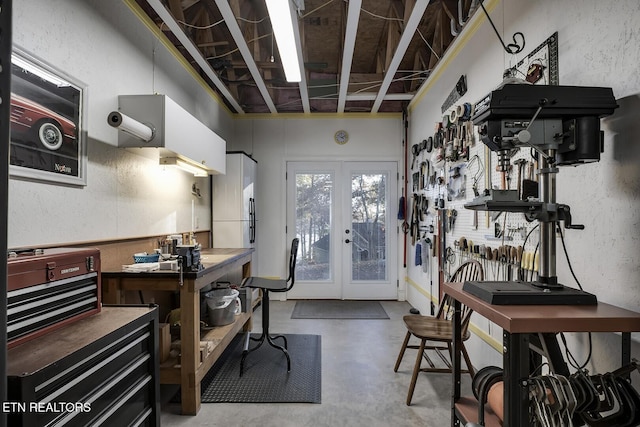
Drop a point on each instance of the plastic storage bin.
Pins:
(140, 258)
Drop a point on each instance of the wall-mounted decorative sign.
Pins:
(541, 65)
(456, 93)
(48, 136)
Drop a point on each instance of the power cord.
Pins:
(529, 234)
(512, 48)
(572, 361)
(566, 254)
(524, 245)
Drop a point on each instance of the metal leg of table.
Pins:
(456, 361)
(546, 344)
(516, 371)
(626, 348)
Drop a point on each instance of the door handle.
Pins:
(347, 241)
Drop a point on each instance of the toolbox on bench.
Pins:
(50, 288)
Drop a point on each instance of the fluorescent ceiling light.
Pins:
(184, 165)
(282, 25)
(43, 74)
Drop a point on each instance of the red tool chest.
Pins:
(49, 288)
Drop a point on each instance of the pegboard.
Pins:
(449, 184)
(465, 169)
(487, 229)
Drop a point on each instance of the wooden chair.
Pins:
(438, 330)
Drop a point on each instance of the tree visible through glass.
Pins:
(368, 241)
(314, 199)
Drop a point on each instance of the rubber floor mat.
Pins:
(338, 309)
(265, 378)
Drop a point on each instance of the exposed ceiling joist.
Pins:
(403, 44)
(353, 17)
(176, 9)
(234, 29)
(175, 29)
(394, 32)
(304, 90)
(371, 96)
(349, 48)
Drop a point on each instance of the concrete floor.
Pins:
(359, 387)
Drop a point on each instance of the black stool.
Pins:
(271, 285)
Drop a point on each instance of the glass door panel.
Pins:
(314, 194)
(368, 227)
(311, 207)
(341, 212)
(371, 268)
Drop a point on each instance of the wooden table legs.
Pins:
(190, 350)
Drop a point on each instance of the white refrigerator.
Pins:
(233, 210)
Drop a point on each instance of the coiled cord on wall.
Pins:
(512, 48)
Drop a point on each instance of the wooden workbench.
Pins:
(217, 263)
(519, 322)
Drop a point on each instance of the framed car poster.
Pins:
(48, 139)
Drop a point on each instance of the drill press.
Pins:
(562, 125)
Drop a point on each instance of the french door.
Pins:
(342, 213)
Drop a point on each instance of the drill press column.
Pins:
(547, 186)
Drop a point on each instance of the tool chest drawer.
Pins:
(101, 370)
(50, 288)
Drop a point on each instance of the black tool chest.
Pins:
(101, 370)
(50, 288)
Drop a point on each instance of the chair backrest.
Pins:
(293, 256)
(468, 271)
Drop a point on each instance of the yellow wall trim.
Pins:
(497, 345)
(472, 327)
(420, 289)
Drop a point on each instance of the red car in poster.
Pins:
(35, 123)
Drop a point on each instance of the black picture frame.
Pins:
(48, 136)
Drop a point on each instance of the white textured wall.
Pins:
(104, 45)
(599, 45)
(274, 141)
